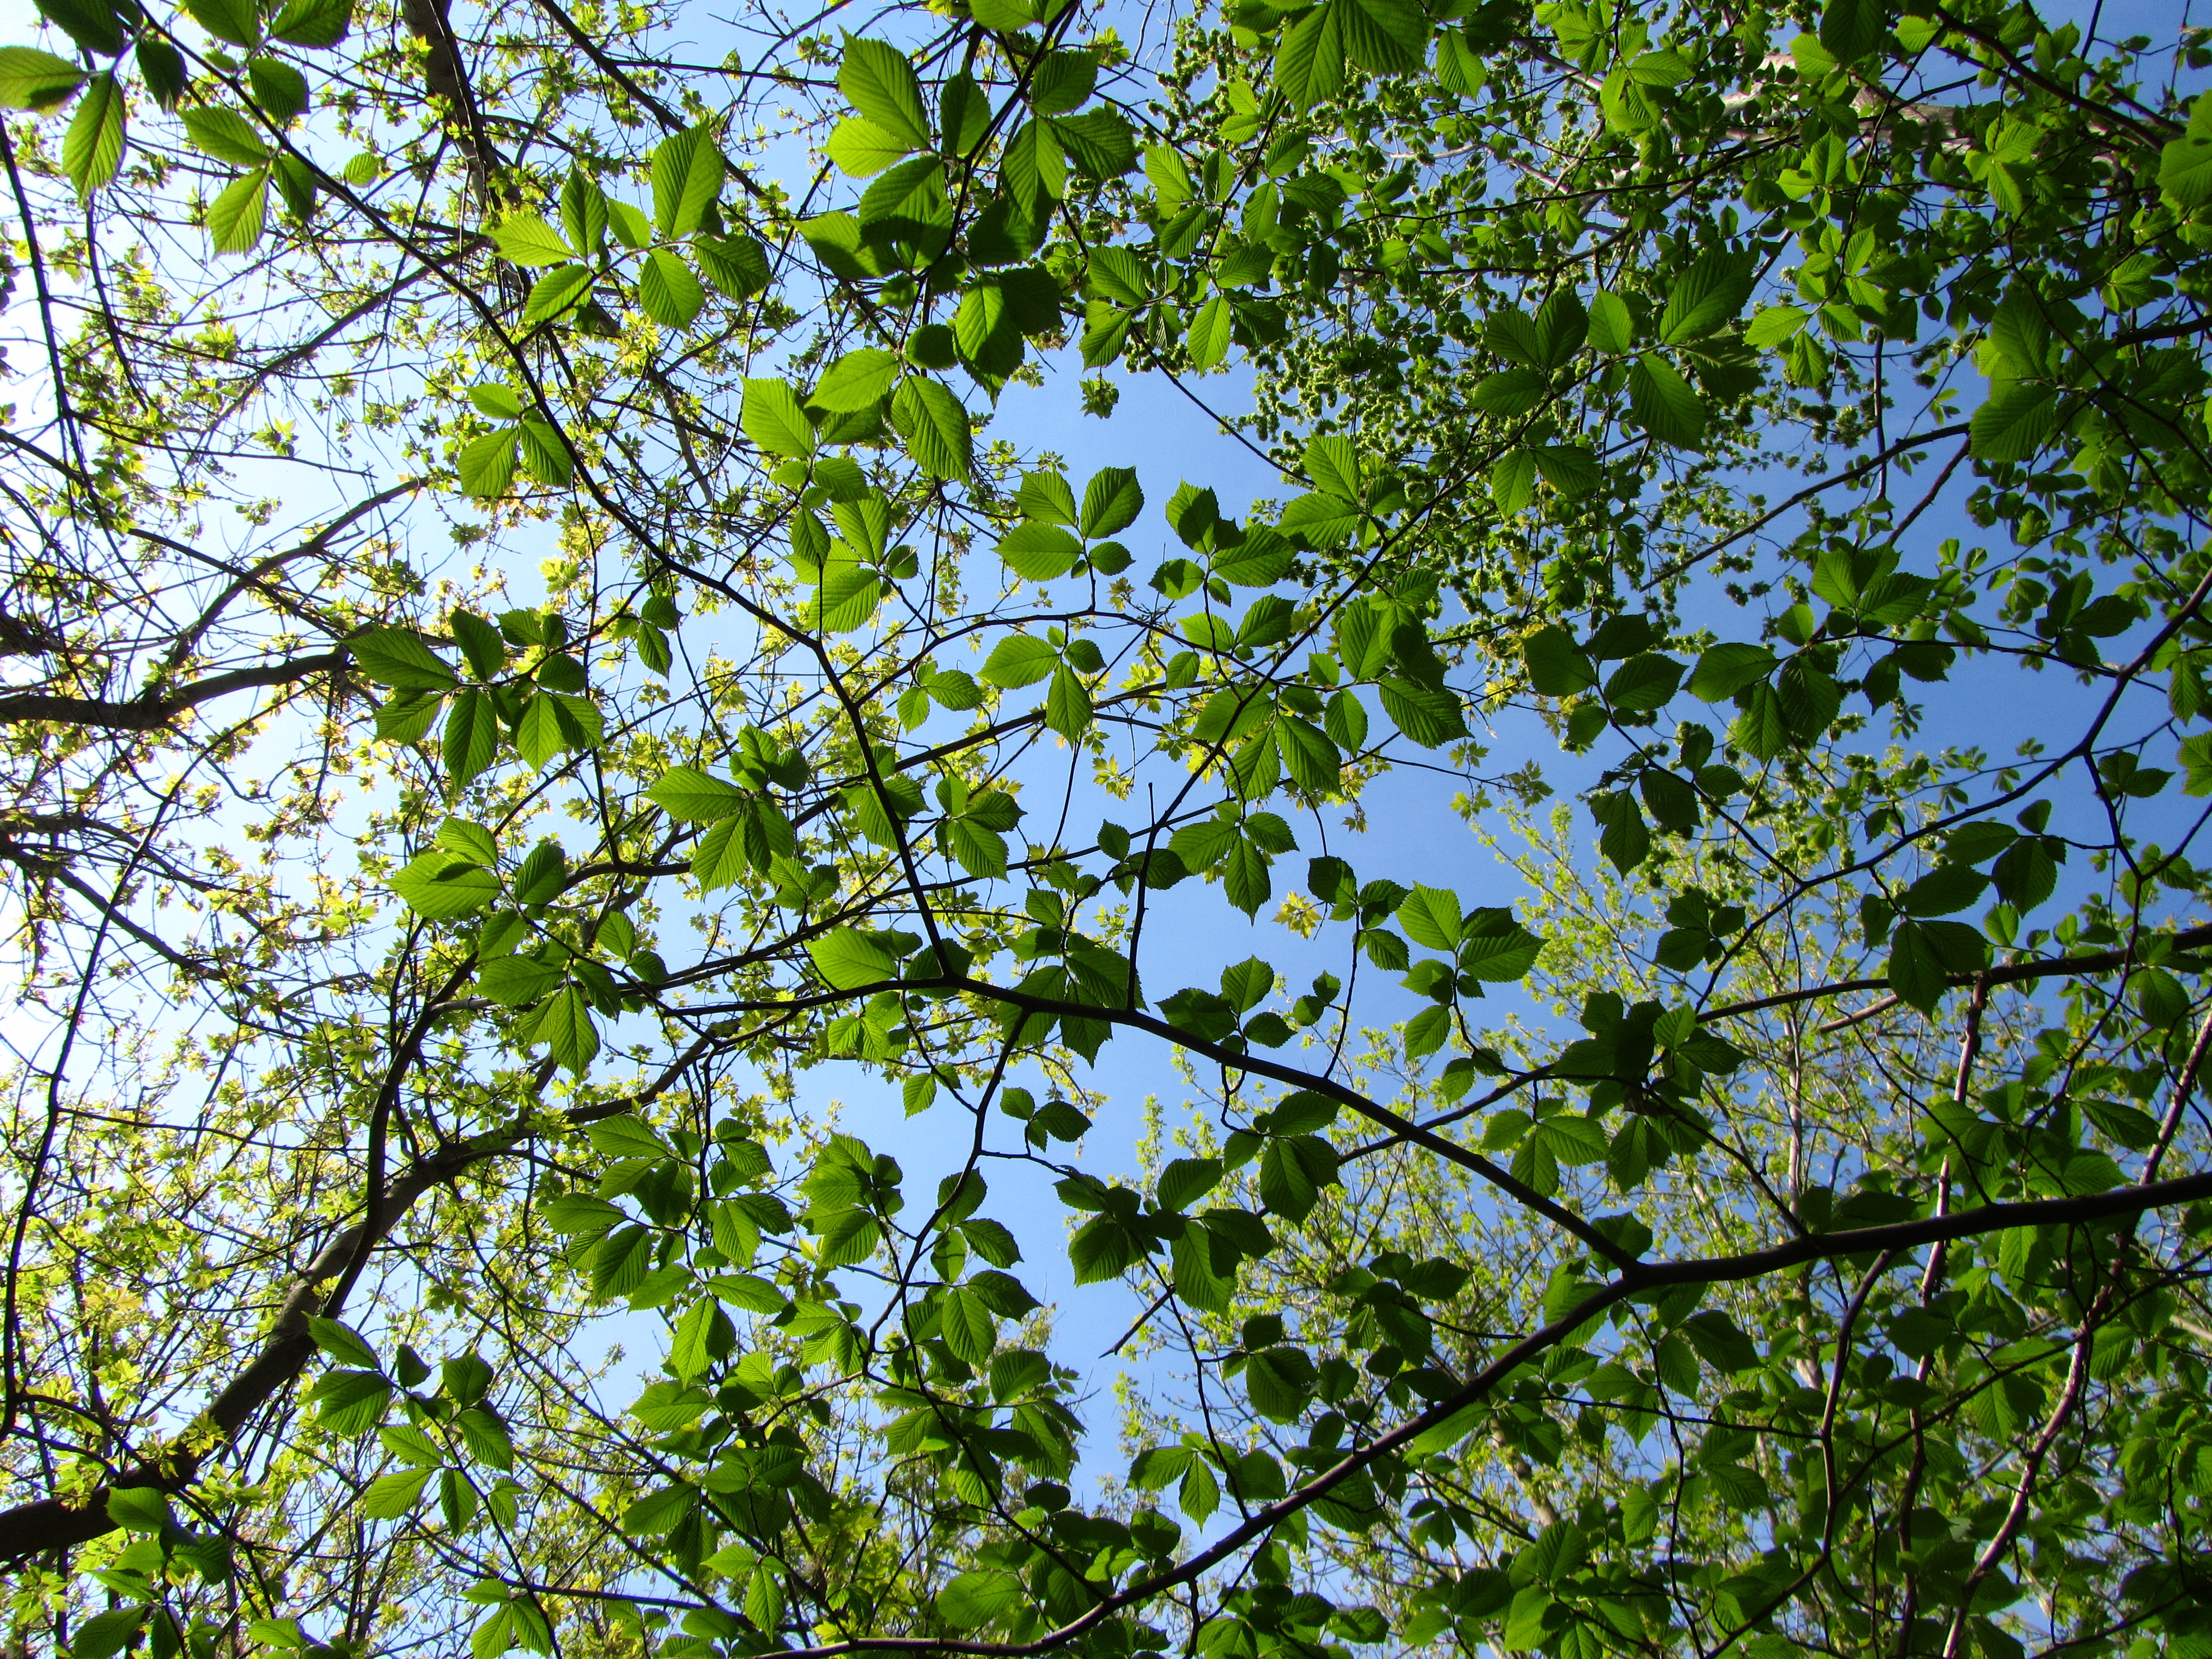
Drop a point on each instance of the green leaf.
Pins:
(231, 20)
(1513, 481)
(1293, 1172)
(736, 264)
(1719, 1342)
(1199, 1494)
(983, 332)
(1774, 326)
(1244, 880)
(1062, 81)
(1187, 1179)
(2015, 421)
(859, 380)
(545, 454)
(860, 148)
(92, 149)
(1728, 668)
(552, 725)
(934, 425)
(407, 718)
(161, 67)
(1705, 297)
(1310, 58)
(1573, 1140)
(1067, 704)
(849, 959)
(279, 89)
(541, 876)
(981, 851)
(1919, 969)
(773, 419)
(1557, 667)
(1852, 28)
(91, 23)
(692, 796)
(559, 290)
(969, 1326)
(485, 465)
(472, 739)
(1308, 755)
(343, 1343)
(1643, 683)
(502, 402)
(391, 1495)
(143, 1510)
(1264, 559)
(583, 211)
(1612, 327)
(1626, 840)
(1428, 715)
(1208, 339)
(1493, 946)
(106, 1634)
(1048, 497)
(350, 1403)
(1431, 917)
(1100, 142)
(1019, 660)
(399, 658)
(1100, 1249)
(688, 169)
(35, 80)
(564, 1025)
(1039, 552)
(2184, 165)
(1569, 468)
(514, 982)
(1280, 1381)
(977, 1597)
(1663, 401)
(668, 291)
(1333, 465)
(620, 1262)
(878, 81)
(907, 200)
(1515, 392)
(238, 217)
(691, 1350)
(1761, 728)
(526, 240)
(295, 179)
(659, 1512)
(314, 23)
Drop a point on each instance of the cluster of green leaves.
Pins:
(1715, 1242)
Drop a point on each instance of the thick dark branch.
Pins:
(150, 714)
(53, 1523)
(2006, 972)
(1343, 1093)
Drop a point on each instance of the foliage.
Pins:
(433, 972)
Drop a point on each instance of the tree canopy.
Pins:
(532, 668)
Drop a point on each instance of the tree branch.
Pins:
(149, 712)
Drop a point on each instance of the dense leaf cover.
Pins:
(523, 645)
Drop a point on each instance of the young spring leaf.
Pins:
(92, 149)
(934, 425)
(880, 83)
(34, 80)
(527, 239)
(238, 217)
